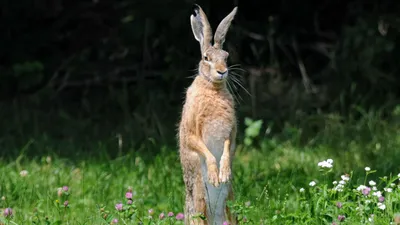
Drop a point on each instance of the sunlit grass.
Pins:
(272, 186)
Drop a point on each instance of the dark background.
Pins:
(84, 71)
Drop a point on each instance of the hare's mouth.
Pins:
(222, 75)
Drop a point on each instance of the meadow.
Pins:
(346, 174)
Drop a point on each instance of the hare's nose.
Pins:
(222, 72)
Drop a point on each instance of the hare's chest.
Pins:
(215, 132)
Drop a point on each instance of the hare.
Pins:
(207, 130)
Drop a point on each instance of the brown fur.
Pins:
(207, 130)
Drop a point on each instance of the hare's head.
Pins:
(213, 63)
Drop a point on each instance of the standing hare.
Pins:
(207, 130)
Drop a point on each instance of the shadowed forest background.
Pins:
(91, 94)
(84, 71)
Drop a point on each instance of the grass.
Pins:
(272, 177)
(267, 187)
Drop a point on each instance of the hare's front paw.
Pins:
(212, 173)
(224, 171)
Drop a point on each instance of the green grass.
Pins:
(269, 172)
(267, 183)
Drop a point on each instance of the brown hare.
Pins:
(207, 129)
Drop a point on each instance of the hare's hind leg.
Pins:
(231, 217)
(199, 199)
(194, 201)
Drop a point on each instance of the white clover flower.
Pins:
(388, 189)
(392, 184)
(372, 183)
(326, 163)
(301, 190)
(312, 183)
(398, 175)
(367, 201)
(377, 194)
(371, 219)
(374, 188)
(345, 177)
(334, 182)
(339, 188)
(361, 187)
(23, 173)
(367, 169)
(342, 182)
(381, 206)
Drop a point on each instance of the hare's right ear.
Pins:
(201, 28)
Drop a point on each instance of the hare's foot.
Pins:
(212, 173)
(224, 171)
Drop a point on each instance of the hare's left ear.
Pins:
(222, 29)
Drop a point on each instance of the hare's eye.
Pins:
(206, 58)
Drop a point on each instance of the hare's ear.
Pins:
(222, 29)
(201, 27)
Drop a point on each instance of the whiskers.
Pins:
(195, 71)
(234, 82)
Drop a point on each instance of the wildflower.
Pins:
(367, 169)
(367, 201)
(388, 189)
(170, 214)
(339, 205)
(398, 175)
(381, 206)
(3, 198)
(366, 191)
(23, 173)
(339, 188)
(377, 194)
(334, 182)
(65, 188)
(397, 218)
(342, 182)
(129, 202)
(392, 184)
(374, 188)
(381, 199)
(371, 218)
(180, 216)
(48, 159)
(59, 192)
(326, 164)
(312, 183)
(361, 187)
(372, 183)
(114, 221)
(225, 223)
(66, 203)
(247, 204)
(301, 190)
(345, 177)
(118, 206)
(128, 195)
(341, 218)
(8, 212)
(161, 216)
(151, 212)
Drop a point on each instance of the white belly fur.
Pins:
(215, 196)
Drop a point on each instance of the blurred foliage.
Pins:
(101, 67)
